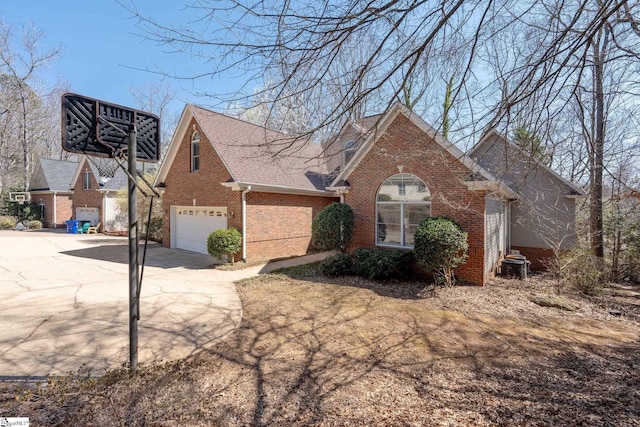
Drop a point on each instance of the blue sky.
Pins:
(101, 46)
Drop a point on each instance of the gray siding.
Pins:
(543, 216)
(334, 148)
(495, 233)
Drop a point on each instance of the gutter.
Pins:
(495, 187)
(259, 188)
(244, 223)
(340, 191)
(509, 209)
(103, 212)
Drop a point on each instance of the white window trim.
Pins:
(195, 138)
(349, 150)
(86, 180)
(402, 204)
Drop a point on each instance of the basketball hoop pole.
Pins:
(133, 253)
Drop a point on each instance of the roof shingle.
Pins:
(255, 155)
(58, 174)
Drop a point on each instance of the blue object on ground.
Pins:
(72, 226)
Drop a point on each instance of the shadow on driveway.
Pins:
(157, 255)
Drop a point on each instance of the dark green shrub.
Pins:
(379, 264)
(7, 222)
(332, 228)
(154, 229)
(35, 224)
(225, 242)
(28, 211)
(440, 246)
(337, 265)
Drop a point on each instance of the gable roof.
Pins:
(514, 151)
(117, 182)
(252, 154)
(382, 125)
(57, 175)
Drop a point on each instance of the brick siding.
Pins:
(278, 225)
(405, 144)
(203, 186)
(63, 207)
(90, 198)
(539, 257)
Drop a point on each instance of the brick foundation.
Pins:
(539, 257)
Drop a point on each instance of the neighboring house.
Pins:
(542, 219)
(394, 170)
(51, 189)
(95, 197)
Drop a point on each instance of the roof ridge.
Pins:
(245, 121)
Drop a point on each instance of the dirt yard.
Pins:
(348, 352)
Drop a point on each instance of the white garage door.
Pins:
(88, 214)
(193, 224)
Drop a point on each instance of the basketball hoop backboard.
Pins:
(98, 128)
(19, 196)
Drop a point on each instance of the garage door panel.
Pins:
(194, 224)
(91, 215)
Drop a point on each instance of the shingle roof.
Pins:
(117, 182)
(58, 174)
(255, 155)
(366, 123)
(516, 164)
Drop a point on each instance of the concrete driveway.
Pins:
(65, 303)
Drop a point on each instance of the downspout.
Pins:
(103, 213)
(509, 204)
(244, 223)
(55, 210)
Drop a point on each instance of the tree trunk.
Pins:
(595, 207)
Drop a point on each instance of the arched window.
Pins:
(402, 202)
(349, 151)
(195, 151)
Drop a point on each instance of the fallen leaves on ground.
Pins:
(350, 352)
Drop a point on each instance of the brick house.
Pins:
(95, 197)
(393, 170)
(67, 189)
(51, 189)
(402, 171)
(218, 172)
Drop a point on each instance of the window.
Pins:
(402, 202)
(195, 151)
(86, 180)
(349, 151)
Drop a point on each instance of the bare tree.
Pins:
(21, 104)
(553, 48)
(156, 98)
